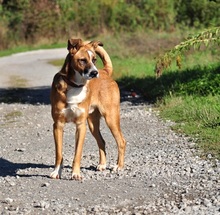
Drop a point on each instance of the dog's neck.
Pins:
(71, 83)
(74, 80)
(78, 79)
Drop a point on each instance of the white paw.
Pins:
(116, 168)
(56, 174)
(76, 176)
(101, 167)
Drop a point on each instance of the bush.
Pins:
(198, 13)
(28, 21)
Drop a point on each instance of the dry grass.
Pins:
(17, 82)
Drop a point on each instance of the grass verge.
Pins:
(198, 117)
(190, 98)
(26, 48)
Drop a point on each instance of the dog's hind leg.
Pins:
(94, 125)
(112, 119)
(58, 138)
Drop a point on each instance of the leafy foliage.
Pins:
(29, 21)
(207, 38)
(195, 13)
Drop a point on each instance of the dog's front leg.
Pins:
(79, 138)
(58, 139)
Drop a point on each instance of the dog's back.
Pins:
(104, 92)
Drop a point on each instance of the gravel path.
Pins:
(163, 172)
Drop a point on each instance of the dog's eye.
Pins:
(82, 61)
(94, 60)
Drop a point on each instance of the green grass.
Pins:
(189, 97)
(132, 67)
(198, 117)
(25, 48)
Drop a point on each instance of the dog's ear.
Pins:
(95, 44)
(74, 45)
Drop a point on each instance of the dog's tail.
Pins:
(100, 51)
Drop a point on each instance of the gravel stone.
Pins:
(163, 172)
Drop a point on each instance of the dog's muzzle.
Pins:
(93, 74)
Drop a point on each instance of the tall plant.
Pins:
(208, 37)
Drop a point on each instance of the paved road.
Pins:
(27, 77)
(31, 68)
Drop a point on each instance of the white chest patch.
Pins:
(74, 97)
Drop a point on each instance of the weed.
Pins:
(12, 115)
(17, 82)
(211, 36)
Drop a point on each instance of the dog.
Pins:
(81, 93)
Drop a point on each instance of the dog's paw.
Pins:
(56, 174)
(76, 176)
(116, 168)
(101, 167)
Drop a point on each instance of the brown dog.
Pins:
(81, 92)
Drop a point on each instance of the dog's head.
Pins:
(83, 58)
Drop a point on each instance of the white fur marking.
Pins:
(92, 68)
(57, 172)
(74, 97)
(82, 78)
(101, 167)
(93, 65)
(90, 54)
(91, 109)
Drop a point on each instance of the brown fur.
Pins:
(102, 99)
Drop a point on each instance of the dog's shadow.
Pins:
(8, 168)
(90, 168)
(94, 169)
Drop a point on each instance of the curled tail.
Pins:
(100, 51)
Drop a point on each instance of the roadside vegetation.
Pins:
(136, 34)
(189, 95)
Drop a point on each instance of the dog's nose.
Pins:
(93, 74)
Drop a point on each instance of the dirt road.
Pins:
(163, 172)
